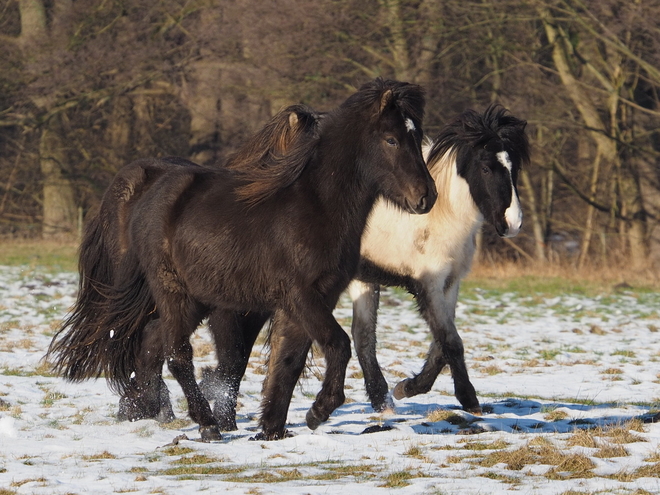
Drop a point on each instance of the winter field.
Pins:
(569, 383)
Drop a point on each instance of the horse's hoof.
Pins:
(228, 426)
(129, 410)
(210, 433)
(476, 410)
(384, 405)
(400, 392)
(166, 415)
(226, 419)
(313, 421)
(268, 437)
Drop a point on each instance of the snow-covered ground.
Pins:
(566, 383)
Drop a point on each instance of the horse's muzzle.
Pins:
(425, 202)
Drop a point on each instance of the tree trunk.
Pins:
(636, 229)
(59, 220)
(398, 45)
(591, 211)
(59, 207)
(33, 23)
(537, 226)
(201, 95)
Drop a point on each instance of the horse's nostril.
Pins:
(424, 204)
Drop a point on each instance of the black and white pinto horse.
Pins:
(474, 162)
(279, 234)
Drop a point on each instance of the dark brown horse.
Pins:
(278, 235)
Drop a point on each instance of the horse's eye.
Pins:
(392, 142)
(485, 170)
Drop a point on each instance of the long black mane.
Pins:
(408, 98)
(494, 128)
(276, 155)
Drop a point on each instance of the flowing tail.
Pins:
(102, 334)
(72, 351)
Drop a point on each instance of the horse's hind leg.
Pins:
(440, 355)
(363, 328)
(234, 335)
(289, 346)
(446, 348)
(424, 380)
(147, 396)
(177, 330)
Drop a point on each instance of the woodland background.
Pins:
(88, 85)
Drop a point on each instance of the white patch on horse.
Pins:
(410, 125)
(513, 213)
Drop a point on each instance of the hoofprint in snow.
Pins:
(545, 369)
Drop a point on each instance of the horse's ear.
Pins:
(385, 100)
(293, 120)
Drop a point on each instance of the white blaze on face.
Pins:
(513, 214)
(410, 125)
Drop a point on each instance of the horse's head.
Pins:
(394, 131)
(490, 149)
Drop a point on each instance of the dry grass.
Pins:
(615, 437)
(468, 444)
(97, 457)
(655, 457)
(541, 451)
(448, 416)
(646, 471)
(610, 275)
(555, 415)
(177, 450)
(198, 459)
(490, 370)
(583, 438)
(611, 450)
(621, 435)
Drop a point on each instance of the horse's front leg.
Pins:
(147, 397)
(438, 308)
(363, 328)
(289, 345)
(234, 335)
(315, 315)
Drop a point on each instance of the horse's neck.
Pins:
(336, 176)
